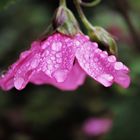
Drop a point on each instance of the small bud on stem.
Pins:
(97, 34)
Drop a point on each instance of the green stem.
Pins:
(85, 21)
(62, 2)
(90, 4)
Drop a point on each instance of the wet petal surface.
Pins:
(75, 78)
(54, 57)
(53, 61)
(103, 68)
(58, 57)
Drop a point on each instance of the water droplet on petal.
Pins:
(98, 51)
(45, 45)
(125, 68)
(118, 65)
(34, 63)
(112, 58)
(95, 45)
(87, 37)
(96, 59)
(52, 58)
(56, 46)
(87, 66)
(56, 65)
(77, 43)
(103, 55)
(86, 56)
(46, 52)
(49, 61)
(105, 79)
(59, 60)
(105, 52)
(60, 75)
(53, 52)
(50, 67)
(48, 72)
(58, 55)
(18, 82)
(87, 45)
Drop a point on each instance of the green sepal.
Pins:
(100, 35)
(65, 22)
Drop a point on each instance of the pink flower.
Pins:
(96, 126)
(64, 61)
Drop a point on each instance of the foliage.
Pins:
(6, 3)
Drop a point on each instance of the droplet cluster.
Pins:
(103, 68)
(54, 60)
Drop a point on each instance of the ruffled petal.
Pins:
(58, 56)
(54, 57)
(74, 79)
(103, 68)
(20, 72)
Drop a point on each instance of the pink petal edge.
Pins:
(103, 68)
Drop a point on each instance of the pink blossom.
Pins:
(96, 126)
(63, 62)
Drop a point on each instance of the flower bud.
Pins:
(100, 35)
(65, 22)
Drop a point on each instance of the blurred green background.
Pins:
(46, 113)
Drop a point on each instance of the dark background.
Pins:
(46, 113)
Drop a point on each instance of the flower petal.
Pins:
(103, 68)
(97, 126)
(74, 79)
(19, 73)
(58, 56)
(53, 56)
